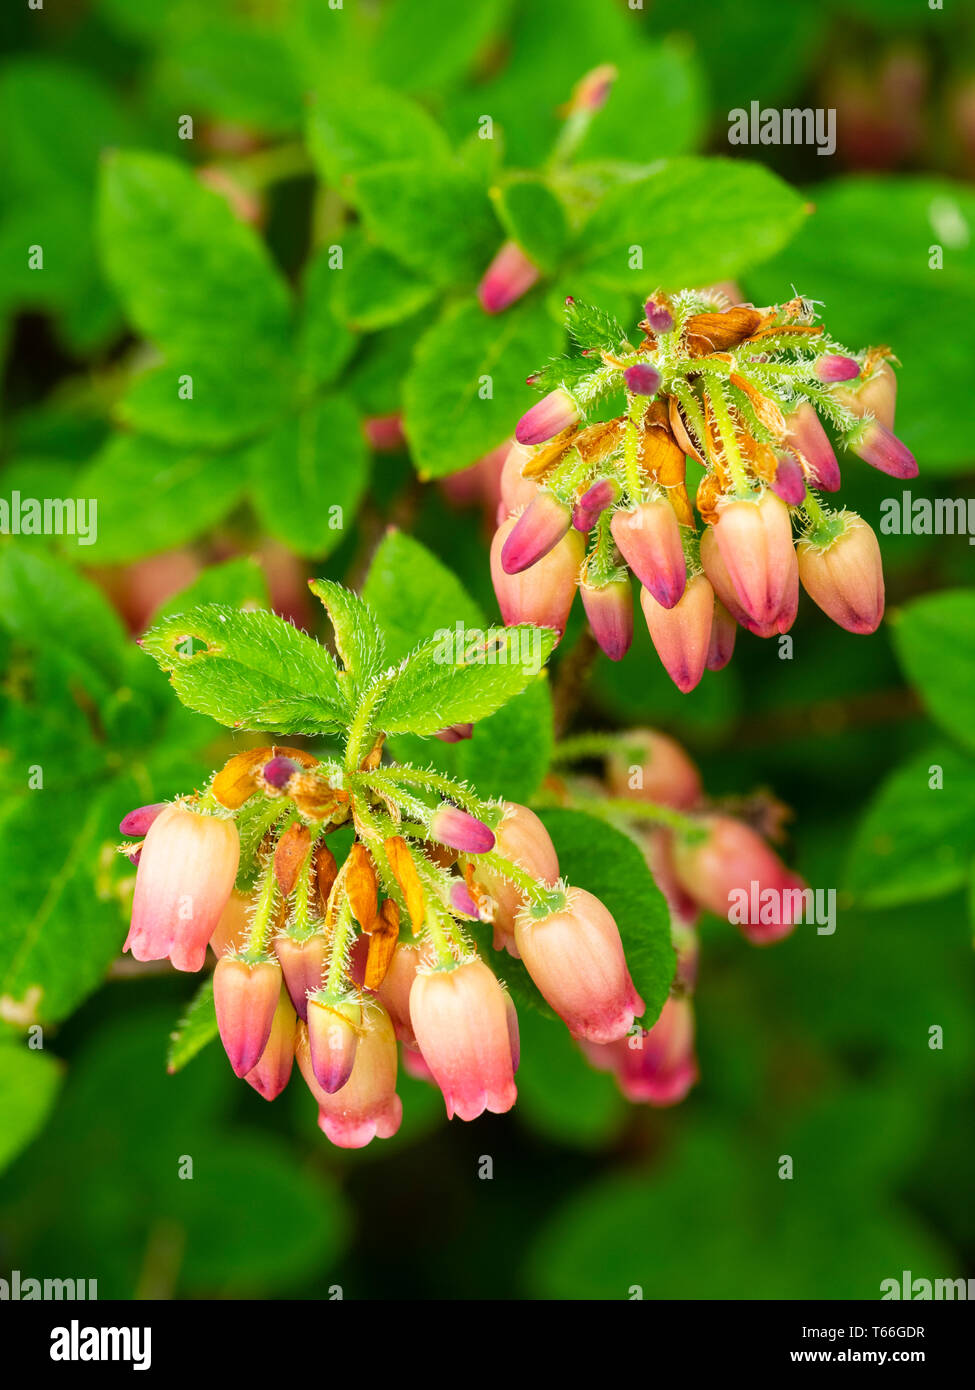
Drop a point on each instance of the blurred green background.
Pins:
(818, 1048)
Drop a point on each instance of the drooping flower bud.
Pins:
(273, 1071)
(523, 839)
(333, 1038)
(553, 414)
(516, 490)
(185, 877)
(538, 530)
(394, 992)
(543, 595)
(682, 634)
(245, 996)
(643, 379)
(876, 445)
(648, 537)
(664, 772)
(367, 1107)
(877, 396)
(510, 275)
(734, 874)
(575, 957)
(602, 494)
(658, 1067)
(755, 540)
(609, 608)
(789, 482)
(724, 629)
(845, 577)
(279, 771)
(805, 435)
(461, 900)
(834, 366)
(720, 580)
(301, 964)
(591, 92)
(460, 1019)
(137, 822)
(659, 317)
(452, 826)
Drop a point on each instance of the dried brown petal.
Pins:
(290, 854)
(326, 872)
(707, 333)
(238, 779)
(382, 945)
(405, 874)
(360, 885)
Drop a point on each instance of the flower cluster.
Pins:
(331, 963)
(741, 391)
(703, 857)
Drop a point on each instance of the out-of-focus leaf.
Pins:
(934, 637)
(324, 342)
(656, 107)
(866, 253)
(29, 1082)
(377, 290)
(351, 129)
(201, 399)
(559, 1094)
(916, 840)
(607, 863)
(466, 387)
(693, 221)
(195, 1029)
(152, 495)
(234, 72)
(434, 217)
(240, 582)
(532, 216)
(308, 475)
(422, 47)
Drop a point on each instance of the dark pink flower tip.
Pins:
(538, 530)
(553, 414)
(452, 826)
(137, 822)
(610, 613)
(279, 772)
(642, 379)
(884, 451)
(384, 433)
(833, 366)
(461, 900)
(456, 733)
(789, 482)
(659, 317)
(510, 275)
(602, 494)
(134, 858)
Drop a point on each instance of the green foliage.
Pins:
(29, 1083)
(466, 387)
(532, 216)
(935, 640)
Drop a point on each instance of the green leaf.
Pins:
(434, 217)
(453, 679)
(324, 342)
(49, 607)
(532, 216)
(593, 329)
(191, 276)
(29, 1082)
(866, 252)
(63, 924)
(253, 670)
(195, 1029)
(693, 220)
(309, 474)
(934, 637)
(201, 399)
(607, 863)
(656, 108)
(186, 490)
(414, 594)
(350, 129)
(916, 840)
(559, 1095)
(466, 387)
(423, 47)
(376, 290)
(358, 639)
(233, 71)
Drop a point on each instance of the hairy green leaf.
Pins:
(358, 639)
(196, 1028)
